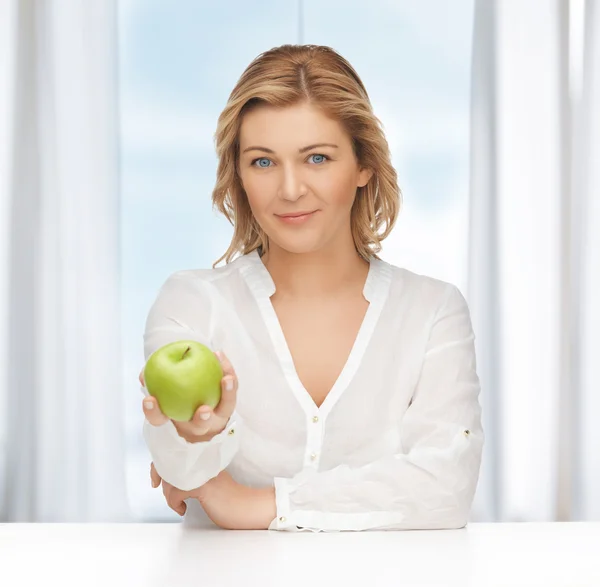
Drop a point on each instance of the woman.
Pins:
(350, 395)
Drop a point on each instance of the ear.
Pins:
(363, 177)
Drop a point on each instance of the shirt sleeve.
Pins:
(431, 481)
(184, 464)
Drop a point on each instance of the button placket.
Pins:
(313, 440)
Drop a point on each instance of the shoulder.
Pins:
(432, 305)
(425, 299)
(198, 277)
(422, 291)
(190, 296)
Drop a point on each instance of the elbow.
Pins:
(458, 516)
(456, 513)
(449, 519)
(459, 520)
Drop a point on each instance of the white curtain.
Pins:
(588, 168)
(534, 275)
(63, 446)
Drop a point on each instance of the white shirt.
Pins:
(396, 444)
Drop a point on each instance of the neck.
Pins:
(323, 273)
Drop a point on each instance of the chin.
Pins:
(297, 245)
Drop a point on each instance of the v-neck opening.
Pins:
(375, 292)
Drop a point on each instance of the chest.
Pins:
(320, 336)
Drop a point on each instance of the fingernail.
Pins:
(205, 416)
(229, 385)
(148, 405)
(219, 355)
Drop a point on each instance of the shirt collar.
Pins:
(262, 285)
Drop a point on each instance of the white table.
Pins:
(480, 555)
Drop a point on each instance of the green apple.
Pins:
(182, 376)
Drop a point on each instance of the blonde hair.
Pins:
(285, 76)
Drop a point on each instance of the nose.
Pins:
(292, 184)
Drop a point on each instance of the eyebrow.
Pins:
(302, 150)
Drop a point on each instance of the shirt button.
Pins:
(467, 432)
(282, 519)
(315, 419)
(232, 431)
(313, 456)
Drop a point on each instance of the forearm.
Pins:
(186, 464)
(257, 510)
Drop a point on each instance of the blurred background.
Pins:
(107, 164)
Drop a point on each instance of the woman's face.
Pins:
(294, 160)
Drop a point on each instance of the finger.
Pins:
(152, 411)
(155, 478)
(202, 420)
(225, 364)
(175, 501)
(141, 377)
(229, 385)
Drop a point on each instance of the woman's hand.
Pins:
(206, 422)
(228, 504)
(175, 497)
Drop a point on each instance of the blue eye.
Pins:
(320, 161)
(323, 158)
(261, 159)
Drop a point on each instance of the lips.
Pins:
(295, 214)
(296, 218)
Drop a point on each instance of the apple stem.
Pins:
(186, 352)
